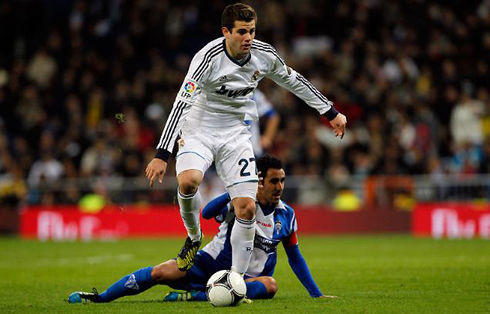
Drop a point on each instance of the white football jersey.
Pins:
(217, 89)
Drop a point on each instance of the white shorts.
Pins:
(231, 151)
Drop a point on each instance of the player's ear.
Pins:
(225, 31)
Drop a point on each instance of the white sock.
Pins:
(189, 211)
(242, 244)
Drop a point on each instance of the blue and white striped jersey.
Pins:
(217, 89)
(273, 226)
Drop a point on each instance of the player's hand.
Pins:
(261, 180)
(338, 124)
(156, 170)
(327, 297)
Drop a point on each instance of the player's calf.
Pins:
(134, 283)
(242, 234)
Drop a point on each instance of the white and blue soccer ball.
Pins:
(226, 288)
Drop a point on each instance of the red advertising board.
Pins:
(68, 223)
(459, 220)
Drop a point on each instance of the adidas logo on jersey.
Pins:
(234, 93)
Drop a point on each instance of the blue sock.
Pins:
(132, 284)
(200, 296)
(257, 290)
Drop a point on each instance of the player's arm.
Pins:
(271, 127)
(216, 207)
(291, 80)
(299, 266)
(197, 73)
(266, 110)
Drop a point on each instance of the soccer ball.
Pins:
(226, 288)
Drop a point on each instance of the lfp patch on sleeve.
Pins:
(190, 87)
(187, 90)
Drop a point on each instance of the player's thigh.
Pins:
(235, 164)
(193, 154)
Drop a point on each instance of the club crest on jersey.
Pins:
(255, 76)
(190, 87)
(278, 226)
(234, 93)
(181, 143)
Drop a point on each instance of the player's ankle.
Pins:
(195, 236)
(233, 269)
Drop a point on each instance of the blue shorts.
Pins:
(197, 277)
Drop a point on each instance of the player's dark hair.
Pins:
(237, 12)
(267, 162)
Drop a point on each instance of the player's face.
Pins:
(239, 39)
(273, 186)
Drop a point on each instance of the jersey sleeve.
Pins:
(296, 259)
(216, 206)
(301, 270)
(191, 87)
(291, 239)
(291, 80)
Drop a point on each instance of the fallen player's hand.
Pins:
(338, 124)
(261, 180)
(327, 297)
(156, 169)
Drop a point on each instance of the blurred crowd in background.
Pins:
(86, 86)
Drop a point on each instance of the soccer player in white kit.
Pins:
(209, 113)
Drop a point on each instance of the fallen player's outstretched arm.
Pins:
(216, 206)
(300, 268)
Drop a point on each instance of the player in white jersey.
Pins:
(276, 223)
(209, 113)
(262, 142)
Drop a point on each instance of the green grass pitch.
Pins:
(369, 274)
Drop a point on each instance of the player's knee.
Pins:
(271, 285)
(189, 181)
(166, 272)
(187, 188)
(158, 273)
(244, 208)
